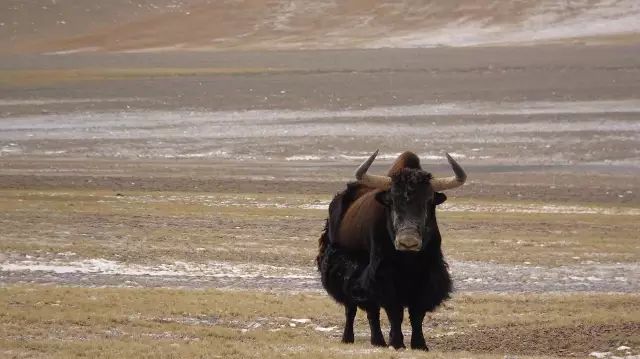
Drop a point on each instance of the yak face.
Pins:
(407, 193)
(407, 203)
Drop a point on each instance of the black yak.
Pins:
(381, 247)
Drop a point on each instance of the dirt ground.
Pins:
(208, 174)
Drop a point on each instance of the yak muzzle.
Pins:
(409, 241)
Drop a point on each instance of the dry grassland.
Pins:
(282, 229)
(44, 321)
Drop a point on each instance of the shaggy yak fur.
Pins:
(377, 275)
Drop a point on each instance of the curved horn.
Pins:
(381, 182)
(445, 183)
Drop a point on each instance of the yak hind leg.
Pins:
(416, 316)
(350, 315)
(396, 314)
(373, 317)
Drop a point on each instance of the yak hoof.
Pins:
(378, 342)
(347, 339)
(396, 341)
(419, 343)
(420, 346)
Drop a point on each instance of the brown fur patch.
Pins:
(407, 159)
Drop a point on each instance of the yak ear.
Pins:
(439, 198)
(383, 198)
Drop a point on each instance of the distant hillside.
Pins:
(156, 25)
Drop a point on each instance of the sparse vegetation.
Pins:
(153, 227)
(280, 229)
(113, 322)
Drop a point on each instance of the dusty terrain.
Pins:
(168, 204)
(149, 176)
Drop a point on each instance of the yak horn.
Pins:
(445, 183)
(381, 182)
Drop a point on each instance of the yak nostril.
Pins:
(408, 243)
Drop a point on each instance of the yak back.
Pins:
(338, 207)
(358, 221)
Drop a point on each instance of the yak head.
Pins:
(410, 195)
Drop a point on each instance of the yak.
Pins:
(381, 248)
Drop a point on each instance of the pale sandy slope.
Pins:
(115, 25)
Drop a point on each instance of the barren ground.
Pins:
(169, 204)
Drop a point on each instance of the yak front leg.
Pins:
(349, 314)
(416, 316)
(395, 314)
(373, 316)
